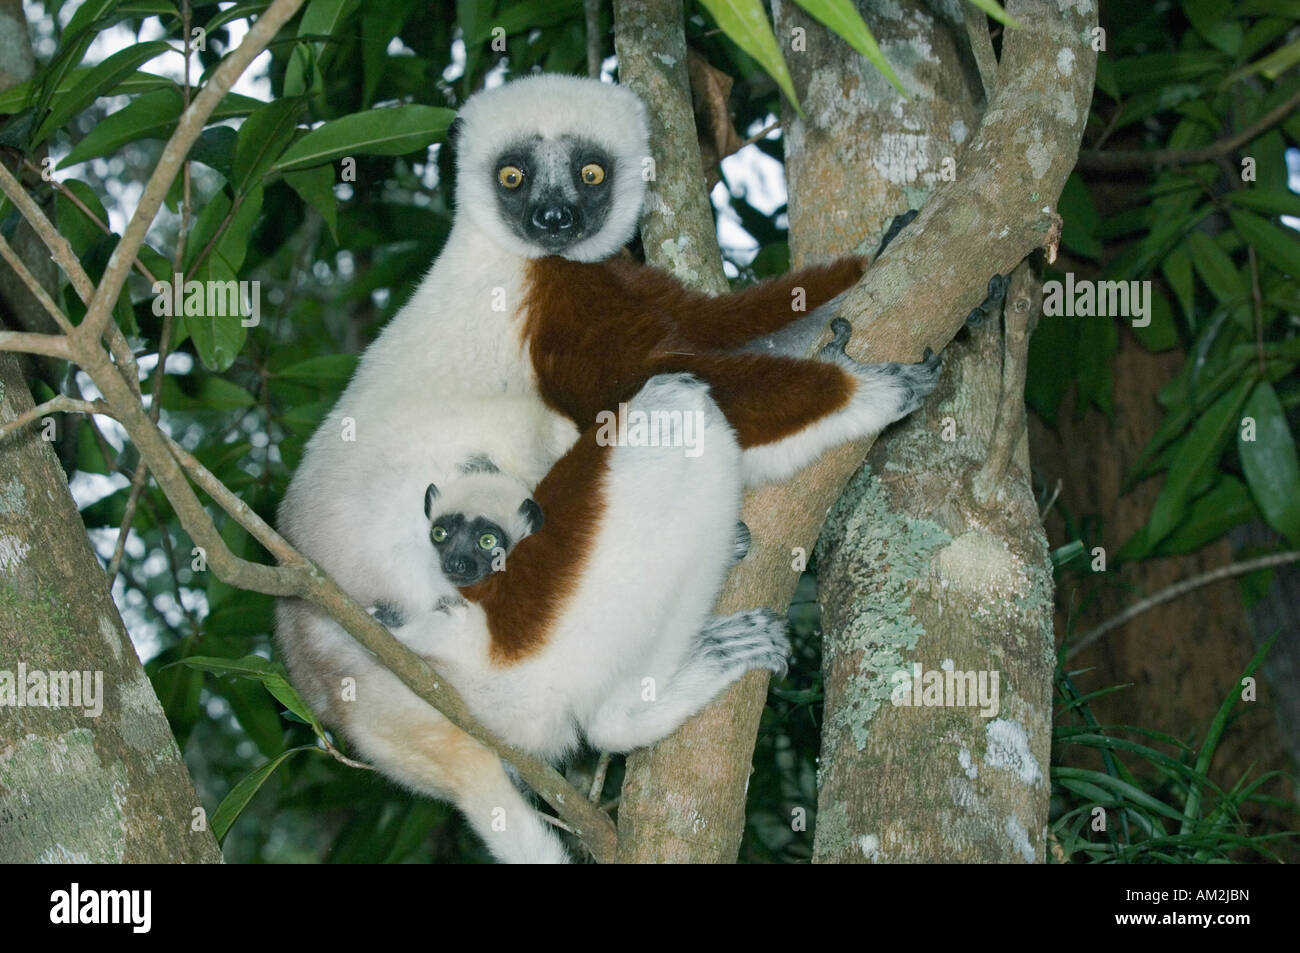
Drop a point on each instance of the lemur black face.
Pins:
(554, 192)
(467, 547)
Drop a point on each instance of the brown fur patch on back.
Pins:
(542, 573)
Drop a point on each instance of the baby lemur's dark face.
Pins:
(467, 546)
(473, 545)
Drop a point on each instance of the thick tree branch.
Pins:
(981, 48)
(996, 212)
(295, 576)
(683, 800)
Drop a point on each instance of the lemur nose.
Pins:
(553, 218)
(457, 565)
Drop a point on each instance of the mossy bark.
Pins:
(75, 785)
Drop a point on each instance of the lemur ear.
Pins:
(533, 513)
(430, 495)
(454, 130)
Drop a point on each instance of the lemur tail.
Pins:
(420, 749)
(502, 815)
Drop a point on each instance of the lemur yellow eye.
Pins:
(510, 176)
(438, 534)
(487, 541)
(593, 174)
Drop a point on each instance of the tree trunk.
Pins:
(103, 782)
(909, 570)
(688, 801)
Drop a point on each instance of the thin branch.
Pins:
(99, 223)
(981, 47)
(591, 13)
(1094, 161)
(138, 481)
(55, 405)
(1051, 500)
(25, 342)
(1177, 589)
(34, 286)
(234, 506)
(63, 255)
(188, 129)
(598, 779)
(59, 248)
(761, 134)
(1023, 298)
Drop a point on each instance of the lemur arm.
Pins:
(728, 321)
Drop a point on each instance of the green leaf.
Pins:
(217, 329)
(745, 23)
(151, 115)
(86, 15)
(16, 97)
(321, 20)
(1213, 20)
(240, 11)
(80, 231)
(1276, 246)
(1196, 458)
(1271, 66)
(1067, 553)
(1272, 201)
(215, 148)
(272, 675)
(261, 139)
(1215, 267)
(1080, 218)
(471, 16)
(256, 715)
(524, 16)
(1161, 333)
(995, 10)
(390, 132)
(315, 186)
(100, 80)
(843, 19)
(327, 367)
(1270, 462)
(1149, 72)
(1177, 268)
(234, 803)
(1226, 504)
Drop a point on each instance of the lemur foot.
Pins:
(842, 331)
(917, 380)
(387, 615)
(896, 225)
(742, 641)
(988, 308)
(741, 547)
(910, 383)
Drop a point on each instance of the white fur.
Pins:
(553, 107)
(496, 496)
(635, 652)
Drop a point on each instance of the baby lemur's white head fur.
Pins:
(476, 519)
(552, 165)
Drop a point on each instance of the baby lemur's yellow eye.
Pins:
(593, 174)
(438, 534)
(487, 541)
(510, 176)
